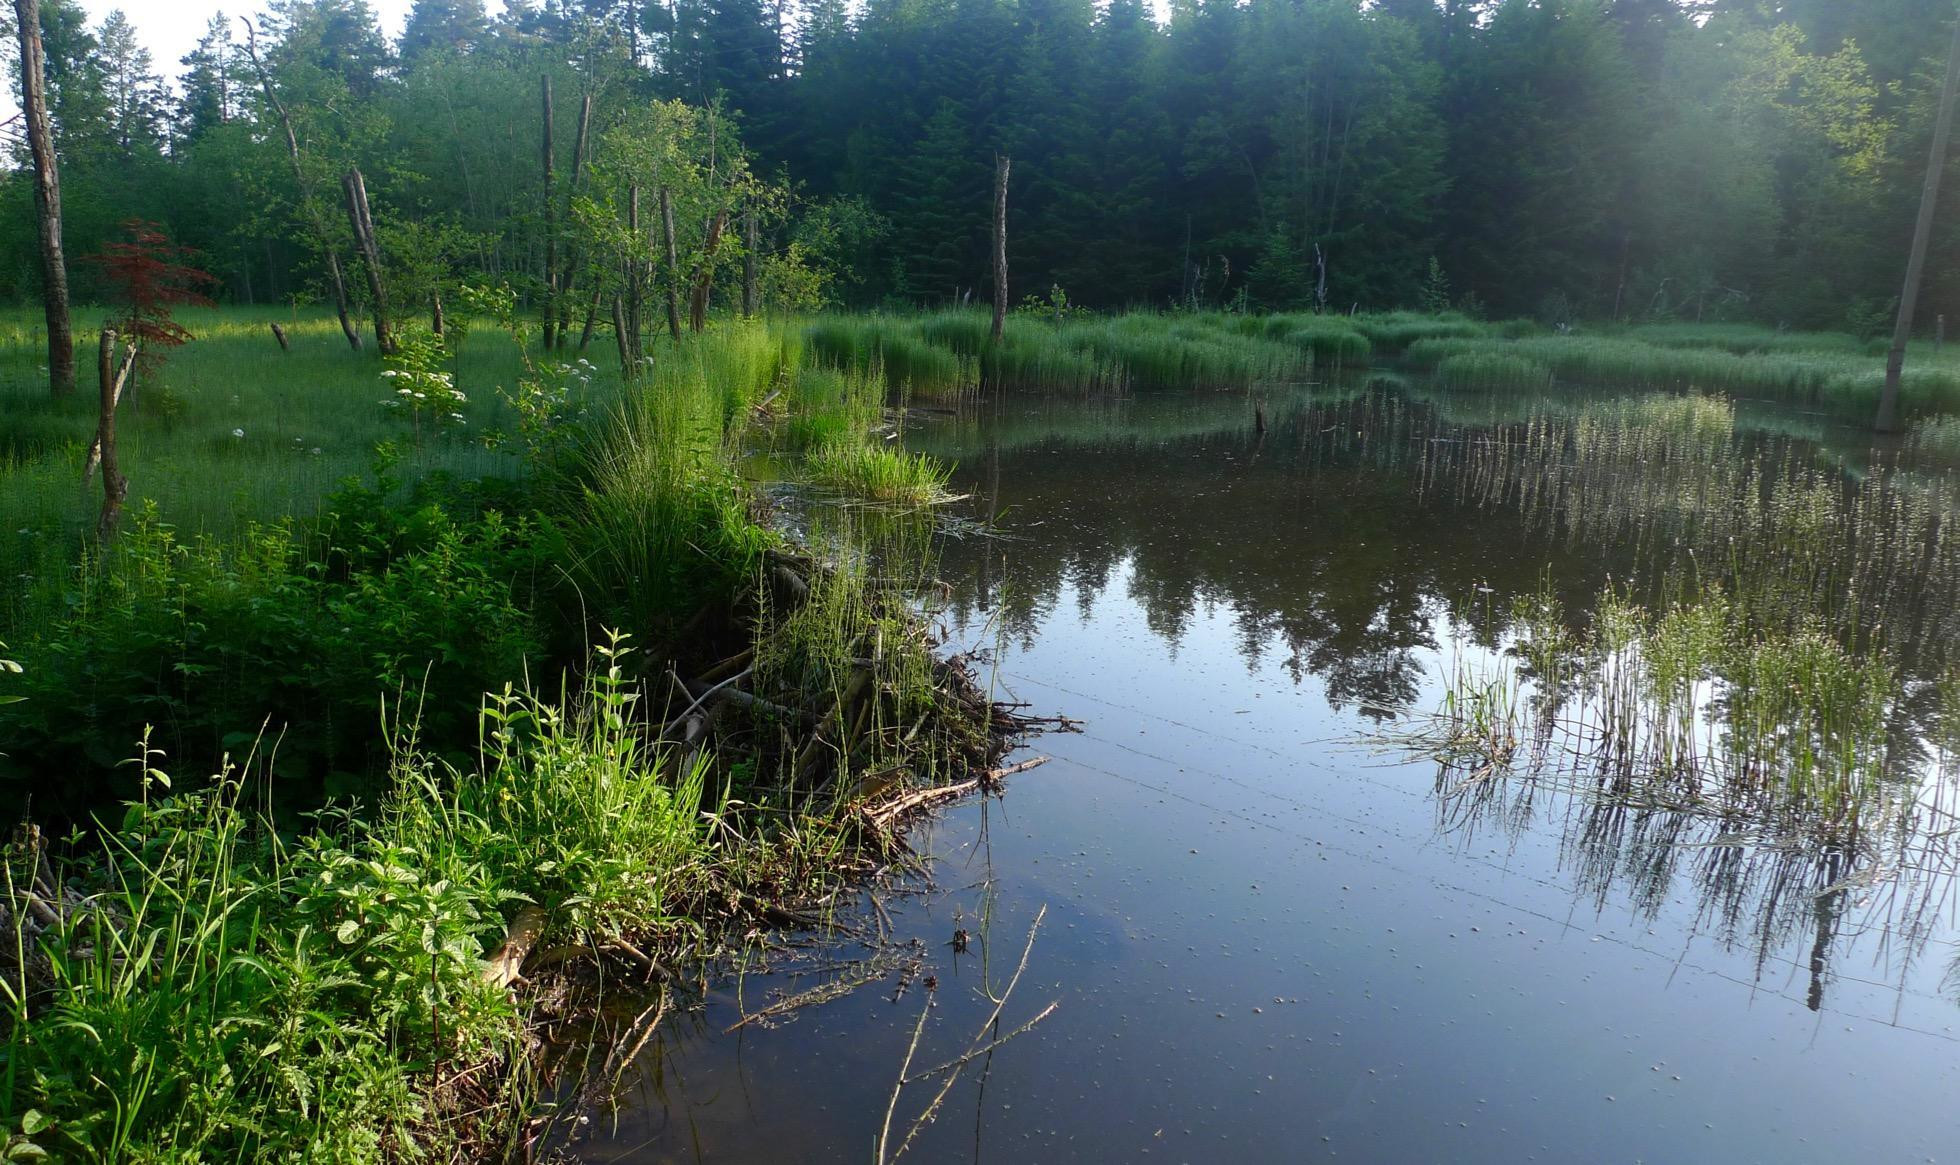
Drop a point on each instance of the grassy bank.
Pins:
(342, 754)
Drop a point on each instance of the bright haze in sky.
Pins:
(171, 28)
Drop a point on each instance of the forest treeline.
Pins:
(1626, 159)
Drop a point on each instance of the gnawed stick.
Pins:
(506, 964)
(654, 968)
(891, 811)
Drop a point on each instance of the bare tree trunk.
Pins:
(358, 217)
(438, 323)
(635, 273)
(47, 199)
(115, 487)
(1895, 361)
(570, 278)
(704, 274)
(628, 367)
(310, 205)
(751, 242)
(550, 228)
(673, 265)
(279, 334)
(591, 314)
(1001, 164)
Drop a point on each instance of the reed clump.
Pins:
(1689, 708)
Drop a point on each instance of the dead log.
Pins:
(279, 334)
(506, 964)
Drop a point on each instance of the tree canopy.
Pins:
(1590, 158)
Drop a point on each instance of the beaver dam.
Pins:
(1478, 777)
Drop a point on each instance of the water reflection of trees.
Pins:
(1338, 539)
(1313, 539)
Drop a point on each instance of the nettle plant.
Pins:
(425, 391)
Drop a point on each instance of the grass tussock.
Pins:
(878, 473)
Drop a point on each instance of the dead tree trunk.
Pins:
(115, 487)
(438, 323)
(628, 367)
(635, 275)
(362, 222)
(569, 280)
(591, 314)
(47, 199)
(1895, 361)
(309, 205)
(751, 242)
(279, 334)
(704, 274)
(1000, 245)
(673, 265)
(550, 228)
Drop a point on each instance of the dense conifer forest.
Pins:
(1564, 159)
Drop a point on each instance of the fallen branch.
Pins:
(885, 815)
(668, 730)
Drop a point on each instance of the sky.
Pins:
(170, 28)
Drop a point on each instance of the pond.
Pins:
(1274, 925)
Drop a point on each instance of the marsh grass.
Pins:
(1483, 370)
(229, 991)
(950, 352)
(1830, 376)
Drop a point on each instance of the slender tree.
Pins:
(1000, 246)
(1895, 361)
(309, 204)
(47, 198)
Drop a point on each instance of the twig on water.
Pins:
(979, 1046)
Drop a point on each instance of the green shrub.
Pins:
(217, 643)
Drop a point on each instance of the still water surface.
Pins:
(1272, 941)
